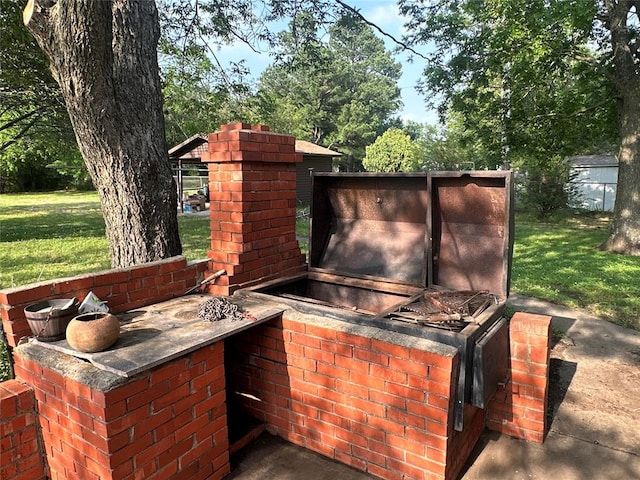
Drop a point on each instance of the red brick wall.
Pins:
(379, 406)
(252, 185)
(519, 409)
(168, 423)
(378, 401)
(21, 454)
(123, 289)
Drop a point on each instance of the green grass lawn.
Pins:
(60, 234)
(52, 235)
(561, 262)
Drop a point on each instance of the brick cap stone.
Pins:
(71, 367)
(532, 323)
(372, 332)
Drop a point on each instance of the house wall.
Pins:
(597, 186)
(303, 177)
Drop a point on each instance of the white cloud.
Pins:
(384, 14)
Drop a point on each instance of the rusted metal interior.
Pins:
(423, 254)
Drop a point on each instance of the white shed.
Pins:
(596, 179)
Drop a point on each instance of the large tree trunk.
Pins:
(625, 229)
(624, 236)
(103, 55)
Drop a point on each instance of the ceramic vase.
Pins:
(93, 332)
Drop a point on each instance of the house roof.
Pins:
(190, 149)
(308, 148)
(193, 147)
(592, 161)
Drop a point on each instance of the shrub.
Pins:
(393, 151)
(547, 187)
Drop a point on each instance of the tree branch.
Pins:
(221, 70)
(575, 113)
(17, 137)
(373, 25)
(22, 117)
(591, 60)
(35, 18)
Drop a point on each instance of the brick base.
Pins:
(519, 408)
(168, 423)
(21, 450)
(383, 404)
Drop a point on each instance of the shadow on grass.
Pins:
(68, 220)
(564, 265)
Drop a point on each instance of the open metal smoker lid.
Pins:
(471, 230)
(370, 225)
(451, 229)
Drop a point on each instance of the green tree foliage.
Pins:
(525, 87)
(198, 97)
(41, 166)
(29, 93)
(446, 148)
(546, 187)
(199, 92)
(393, 151)
(511, 70)
(337, 91)
(34, 126)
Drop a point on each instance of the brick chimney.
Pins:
(252, 191)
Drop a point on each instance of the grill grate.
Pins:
(446, 310)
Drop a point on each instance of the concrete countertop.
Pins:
(156, 334)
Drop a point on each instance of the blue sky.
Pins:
(383, 13)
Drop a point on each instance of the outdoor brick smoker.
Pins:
(388, 351)
(427, 255)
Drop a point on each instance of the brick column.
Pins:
(20, 447)
(252, 188)
(519, 409)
